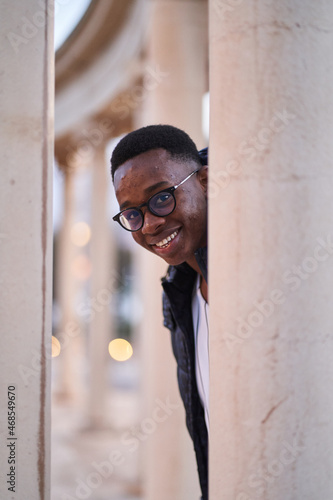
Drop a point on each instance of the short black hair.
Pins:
(174, 140)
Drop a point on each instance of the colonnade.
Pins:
(270, 249)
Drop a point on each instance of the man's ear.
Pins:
(203, 178)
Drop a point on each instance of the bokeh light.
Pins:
(80, 234)
(56, 347)
(81, 267)
(120, 349)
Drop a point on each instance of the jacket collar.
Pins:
(177, 274)
(201, 257)
(178, 285)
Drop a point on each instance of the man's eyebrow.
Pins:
(147, 192)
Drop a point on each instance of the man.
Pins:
(160, 180)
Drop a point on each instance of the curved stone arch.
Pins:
(98, 61)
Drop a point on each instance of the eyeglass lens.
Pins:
(160, 204)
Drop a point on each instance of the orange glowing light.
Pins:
(120, 349)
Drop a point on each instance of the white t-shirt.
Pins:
(200, 310)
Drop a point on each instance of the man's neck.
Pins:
(204, 288)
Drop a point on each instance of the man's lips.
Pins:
(164, 242)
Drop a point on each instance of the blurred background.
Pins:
(118, 426)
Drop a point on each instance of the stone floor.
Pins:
(95, 464)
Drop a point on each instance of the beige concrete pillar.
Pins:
(102, 288)
(178, 43)
(271, 264)
(26, 149)
(69, 383)
(177, 49)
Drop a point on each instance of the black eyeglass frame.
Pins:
(170, 190)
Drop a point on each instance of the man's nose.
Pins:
(151, 222)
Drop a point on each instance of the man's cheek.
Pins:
(137, 238)
(140, 241)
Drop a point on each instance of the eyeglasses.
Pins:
(160, 204)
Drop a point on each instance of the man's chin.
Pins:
(171, 260)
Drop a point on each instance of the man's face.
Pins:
(136, 180)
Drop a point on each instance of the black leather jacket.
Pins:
(177, 310)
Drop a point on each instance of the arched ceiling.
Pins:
(98, 61)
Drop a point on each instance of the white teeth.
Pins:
(166, 240)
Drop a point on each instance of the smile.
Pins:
(164, 243)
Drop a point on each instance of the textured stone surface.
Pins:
(26, 152)
(271, 262)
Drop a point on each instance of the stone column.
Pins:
(177, 50)
(70, 385)
(102, 288)
(26, 149)
(178, 44)
(270, 253)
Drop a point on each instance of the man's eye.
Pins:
(162, 199)
(132, 214)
